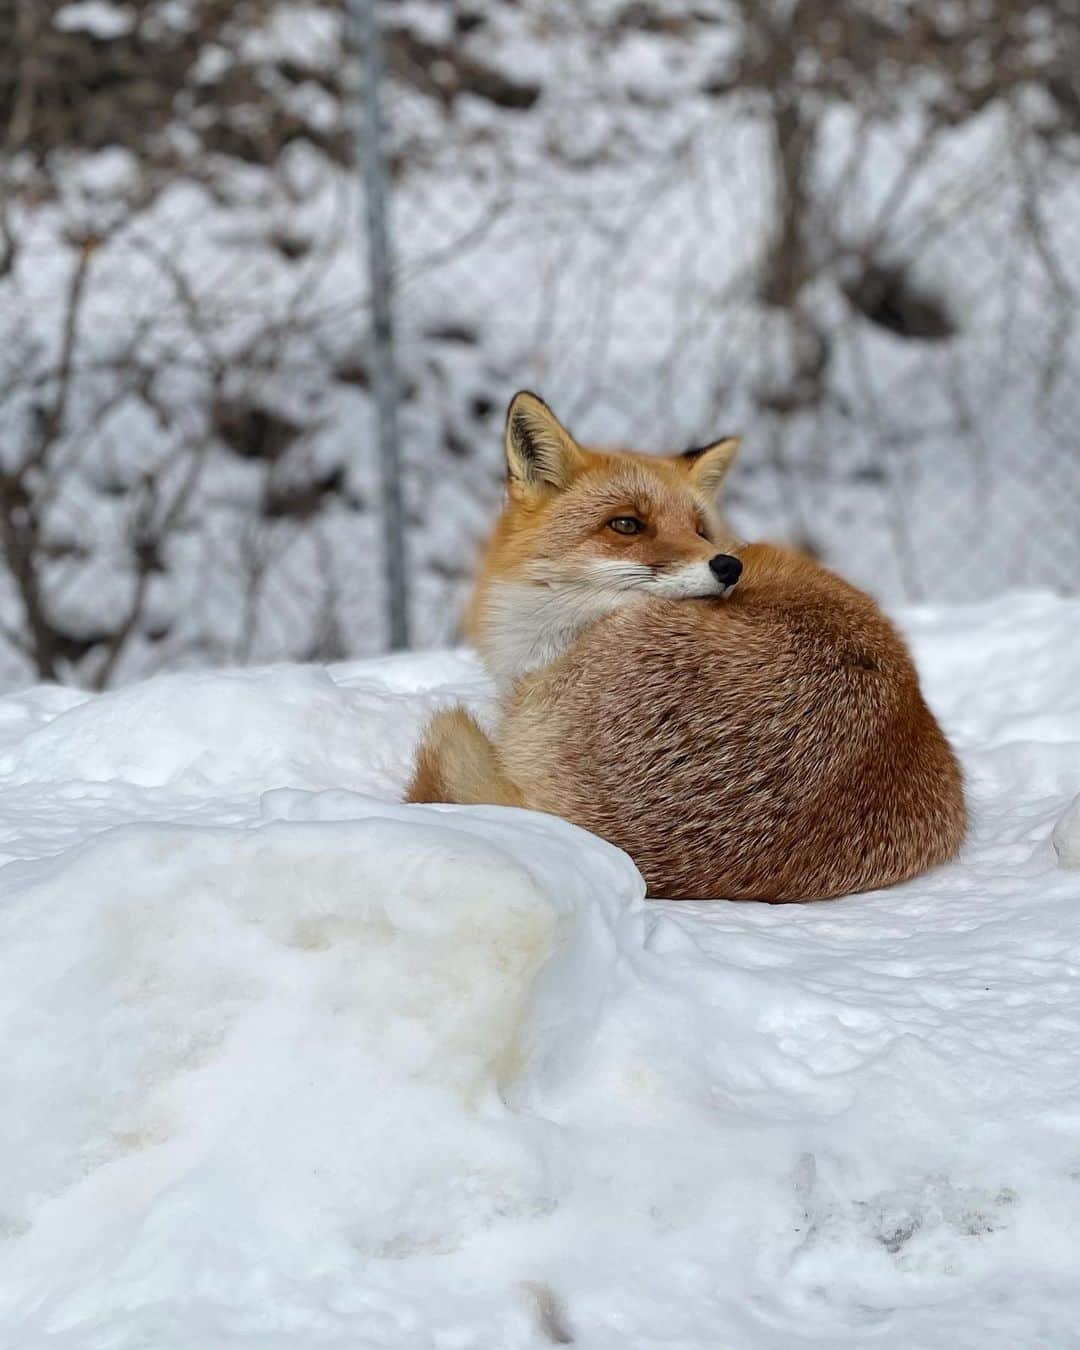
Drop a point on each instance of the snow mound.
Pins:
(213, 731)
(288, 1063)
(279, 1051)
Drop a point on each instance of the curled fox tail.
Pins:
(458, 763)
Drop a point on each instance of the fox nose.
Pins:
(726, 569)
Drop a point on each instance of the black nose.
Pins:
(726, 569)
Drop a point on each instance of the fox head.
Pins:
(584, 532)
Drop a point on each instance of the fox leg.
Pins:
(457, 762)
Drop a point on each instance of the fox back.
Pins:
(740, 720)
(769, 746)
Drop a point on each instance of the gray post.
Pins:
(384, 382)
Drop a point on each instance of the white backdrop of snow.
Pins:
(289, 1064)
(590, 247)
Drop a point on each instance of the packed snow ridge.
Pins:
(290, 1064)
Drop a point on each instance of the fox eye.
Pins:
(626, 525)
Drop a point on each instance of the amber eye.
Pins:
(626, 525)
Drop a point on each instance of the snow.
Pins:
(290, 1064)
(1067, 836)
(103, 20)
(604, 246)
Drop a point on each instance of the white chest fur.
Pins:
(526, 627)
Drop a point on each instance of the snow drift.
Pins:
(286, 1063)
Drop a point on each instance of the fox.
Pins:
(740, 720)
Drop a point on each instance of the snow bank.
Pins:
(248, 1057)
(289, 1064)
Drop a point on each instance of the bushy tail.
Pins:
(457, 762)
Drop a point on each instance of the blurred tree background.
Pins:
(849, 230)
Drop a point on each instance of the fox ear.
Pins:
(541, 455)
(709, 465)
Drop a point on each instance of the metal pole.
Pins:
(384, 381)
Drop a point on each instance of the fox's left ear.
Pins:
(708, 466)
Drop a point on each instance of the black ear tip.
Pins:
(696, 451)
(525, 394)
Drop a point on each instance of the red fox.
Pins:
(739, 720)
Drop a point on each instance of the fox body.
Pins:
(763, 740)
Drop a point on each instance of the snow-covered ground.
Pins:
(289, 1064)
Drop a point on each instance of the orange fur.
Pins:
(456, 762)
(772, 745)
